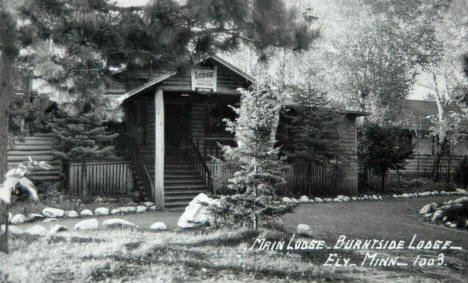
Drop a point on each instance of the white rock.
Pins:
(115, 211)
(294, 199)
(428, 208)
(304, 229)
(36, 230)
(318, 199)
(354, 198)
(14, 230)
(118, 223)
(89, 224)
(427, 215)
(437, 215)
(461, 191)
(48, 220)
(58, 228)
(127, 209)
(141, 209)
(304, 199)
(158, 226)
(462, 199)
(86, 212)
(453, 225)
(196, 213)
(53, 212)
(101, 211)
(327, 199)
(18, 219)
(286, 199)
(71, 214)
(148, 203)
(153, 207)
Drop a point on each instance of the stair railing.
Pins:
(201, 166)
(139, 163)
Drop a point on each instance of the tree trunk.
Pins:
(275, 125)
(5, 94)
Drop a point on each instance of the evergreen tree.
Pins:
(83, 134)
(259, 170)
(313, 128)
(382, 148)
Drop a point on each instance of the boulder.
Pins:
(115, 211)
(127, 209)
(304, 230)
(101, 211)
(286, 199)
(18, 219)
(53, 212)
(318, 200)
(58, 228)
(428, 208)
(118, 223)
(438, 214)
(71, 214)
(158, 226)
(196, 213)
(36, 230)
(86, 212)
(14, 230)
(461, 191)
(89, 224)
(461, 200)
(304, 199)
(141, 209)
(327, 199)
(148, 203)
(48, 220)
(153, 207)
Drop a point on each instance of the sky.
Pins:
(128, 3)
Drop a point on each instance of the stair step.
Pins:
(170, 193)
(29, 153)
(183, 182)
(187, 198)
(32, 147)
(180, 176)
(176, 204)
(35, 157)
(184, 187)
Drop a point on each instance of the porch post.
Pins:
(159, 149)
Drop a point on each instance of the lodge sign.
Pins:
(204, 79)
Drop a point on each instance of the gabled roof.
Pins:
(169, 74)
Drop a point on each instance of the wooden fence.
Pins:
(306, 178)
(421, 165)
(107, 177)
(3, 227)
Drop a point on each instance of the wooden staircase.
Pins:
(40, 147)
(182, 182)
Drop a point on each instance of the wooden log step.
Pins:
(30, 153)
(32, 147)
(36, 158)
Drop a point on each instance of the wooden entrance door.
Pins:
(177, 130)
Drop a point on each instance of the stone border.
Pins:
(374, 197)
(50, 214)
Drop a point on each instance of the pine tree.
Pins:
(259, 169)
(313, 128)
(83, 134)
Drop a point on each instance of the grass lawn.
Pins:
(185, 256)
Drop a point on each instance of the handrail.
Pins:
(202, 167)
(140, 163)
